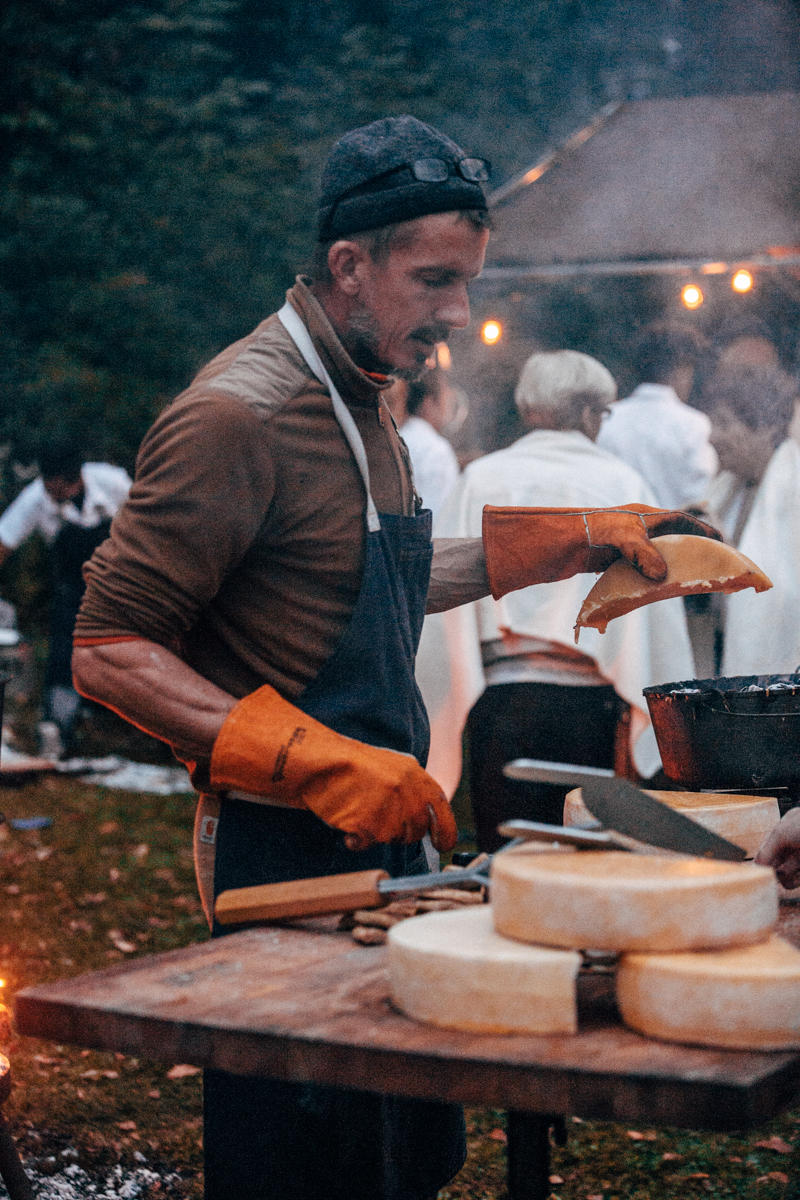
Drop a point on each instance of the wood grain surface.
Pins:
(304, 1002)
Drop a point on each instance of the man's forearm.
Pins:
(155, 690)
(458, 573)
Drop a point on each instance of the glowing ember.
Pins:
(443, 356)
(491, 332)
(742, 281)
(691, 296)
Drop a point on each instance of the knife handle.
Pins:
(301, 898)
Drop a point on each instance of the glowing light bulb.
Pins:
(491, 332)
(742, 281)
(691, 296)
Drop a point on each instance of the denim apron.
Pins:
(270, 1140)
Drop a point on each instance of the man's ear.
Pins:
(345, 263)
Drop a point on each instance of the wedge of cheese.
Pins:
(613, 900)
(747, 999)
(452, 969)
(694, 565)
(743, 820)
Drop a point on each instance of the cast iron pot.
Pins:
(741, 732)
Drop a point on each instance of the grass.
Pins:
(113, 878)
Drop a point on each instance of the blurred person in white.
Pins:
(654, 430)
(512, 664)
(755, 502)
(421, 410)
(71, 504)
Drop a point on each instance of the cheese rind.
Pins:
(746, 999)
(452, 969)
(743, 820)
(695, 565)
(612, 900)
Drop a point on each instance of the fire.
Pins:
(742, 281)
(491, 332)
(691, 296)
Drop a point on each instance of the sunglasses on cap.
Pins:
(438, 170)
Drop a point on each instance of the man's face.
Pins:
(744, 451)
(416, 295)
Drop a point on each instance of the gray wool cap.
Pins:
(364, 186)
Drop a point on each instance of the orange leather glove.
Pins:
(267, 746)
(540, 545)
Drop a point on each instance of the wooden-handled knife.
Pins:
(328, 894)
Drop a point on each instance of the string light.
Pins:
(691, 296)
(491, 332)
(742, 281)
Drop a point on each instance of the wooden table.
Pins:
(305, 1003)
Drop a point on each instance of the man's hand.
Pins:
(781, 849)
(269, 747)
(524, 546)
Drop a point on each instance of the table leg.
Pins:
(529, 1154)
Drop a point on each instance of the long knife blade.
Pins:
(621, 805)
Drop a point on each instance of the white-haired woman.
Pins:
(544, 697)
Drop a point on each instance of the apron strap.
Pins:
(299, 334)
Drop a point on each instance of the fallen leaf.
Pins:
(671, 1156)
(90, 1075)
(735, 1158)
(141, 851)
(651, 1135)
(154, 1094)
(80, 927)
(120, 941)
(43, 853)
(13, 889)
(183, 1070)
(498, 1135)
(159, 923)
(555, 1179)
(110, 1074)
(599, 1197)
(114, 874)
(80, 1093)
(90, 898)
(777, 1144)
(109, 827)
(635, 1136)
(697, 1175)
(48, 1062)
(126, 1126)
(779, 1176)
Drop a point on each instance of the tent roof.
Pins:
(708, 178)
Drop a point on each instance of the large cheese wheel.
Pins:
(613, 900)
(452, 969)
(694, 565)
(743, 820)
(746, 999)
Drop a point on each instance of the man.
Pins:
(654, 430)
(544, 697)
(755, 502)
(260, 602)
(70, 504)
(422, 409)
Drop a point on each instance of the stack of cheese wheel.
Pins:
(699, 962)
(743, 820)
